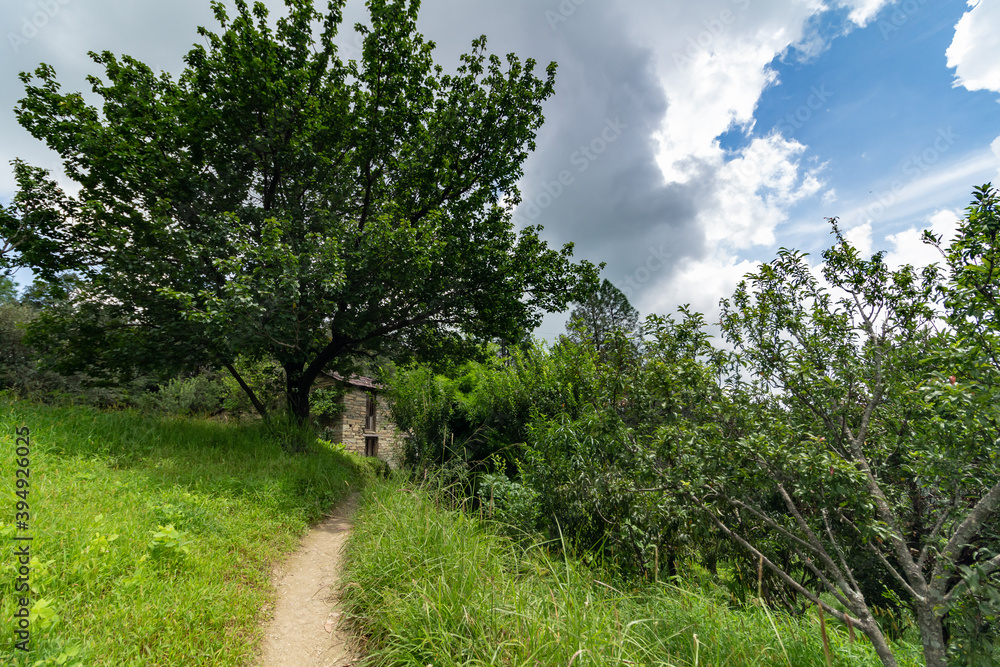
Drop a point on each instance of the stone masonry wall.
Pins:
(349, 427)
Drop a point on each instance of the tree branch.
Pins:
(985, 570)
(964, 533)
(248, 391)
(783, 575)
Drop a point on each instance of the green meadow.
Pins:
(152, 539)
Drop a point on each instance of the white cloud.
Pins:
(995, 147)
(754, 191)
(908, 246)
(701, 283)
(714, 92)
(861, 238)
(863, 11)
(975, 49)
(714, 68)
(714, 63)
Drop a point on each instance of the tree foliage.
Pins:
(846, 445)
(866, 439)
(600, 313)
(276, 201)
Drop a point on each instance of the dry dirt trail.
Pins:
(305, 629)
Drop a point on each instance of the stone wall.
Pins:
(349, 427)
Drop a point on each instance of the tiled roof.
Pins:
(358, 381)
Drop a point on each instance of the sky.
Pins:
(687, 141)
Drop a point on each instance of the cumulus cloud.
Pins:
(995, 147)
(714, 72)
(861, 238)
(908, 246)
(863, 11)
(754, 191)
(628, 165)
(701, 283)
(975, 50)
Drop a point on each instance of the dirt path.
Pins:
(304, 631)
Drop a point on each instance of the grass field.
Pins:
(153, 539)
(428, 586)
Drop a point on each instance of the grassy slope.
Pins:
(240, 500)
(428, 586)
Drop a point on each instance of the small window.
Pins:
(371, 445)
(370, 413)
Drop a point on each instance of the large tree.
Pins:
(276, 201)
(601, 312)
(873, 438)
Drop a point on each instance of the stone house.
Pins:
(364, 426)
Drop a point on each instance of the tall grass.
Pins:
(429, 586)
(153, 538)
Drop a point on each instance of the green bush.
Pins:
(265, 378)
(15, 360)
(326, 403)
(202, 394)
(512, 505)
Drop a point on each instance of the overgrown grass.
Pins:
(153, 538)
(428, 586)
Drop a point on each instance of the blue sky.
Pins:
(693, 139)
(890, 98)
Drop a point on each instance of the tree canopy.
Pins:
(601, 312)
(276, 201)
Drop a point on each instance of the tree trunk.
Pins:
(878, 640)
(297, 393)
(932, 636)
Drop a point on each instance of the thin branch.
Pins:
(817, 546)
(926, 550)
(986, 506)
(248, 391)
(892, 570)
(840, 552)
(985, 570)
(815, 599)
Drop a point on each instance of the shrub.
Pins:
(511, 504)
(198, 395)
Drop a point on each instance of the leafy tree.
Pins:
(966, 404)
(863, 438)
(8, 290)
(29, 234)
(608, 469)
(10, 233)
(602, 311)
(278, 202)
(16, 360)
(44, 294)
(582, 438)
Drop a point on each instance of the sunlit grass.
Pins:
(104, 484)
(430, 586)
